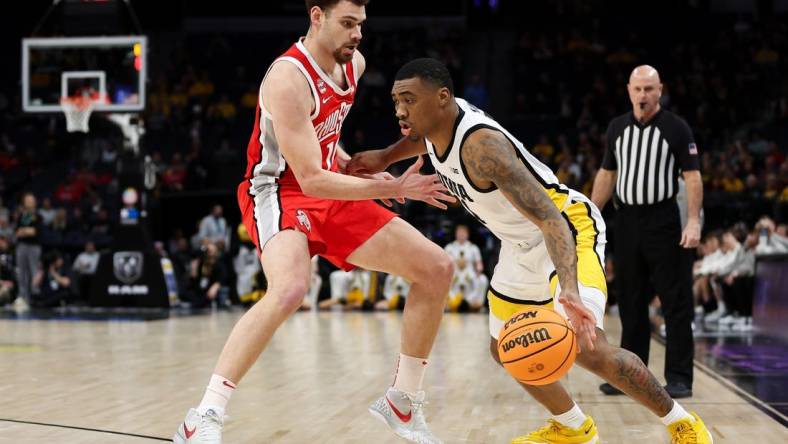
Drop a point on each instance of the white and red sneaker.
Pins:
(200, 428)
(404, 414)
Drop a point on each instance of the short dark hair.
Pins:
(429, 70)
(325, 5)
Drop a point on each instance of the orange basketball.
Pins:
(537, 346)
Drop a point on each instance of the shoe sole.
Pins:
(383, 419)
(178, 439)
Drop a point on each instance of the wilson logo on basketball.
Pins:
(520, 317)
(524, 340)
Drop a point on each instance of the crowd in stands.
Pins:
(567, 84)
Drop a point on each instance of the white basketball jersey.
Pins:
(469, 251)
(490, 206)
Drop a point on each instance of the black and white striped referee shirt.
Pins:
(650, 157)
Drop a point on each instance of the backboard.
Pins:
(114, 67)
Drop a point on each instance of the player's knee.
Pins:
(434, 270)
(289, 298)
(443, 271)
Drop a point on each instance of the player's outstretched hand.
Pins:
(428, 189)
(383, 176)
(581, 318)
(366, 162)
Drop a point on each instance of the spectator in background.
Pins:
(771, 238)
(208, 277)
(60, 221)
(52, 286)
(85, 267)
(395, 290)
(8, 287)
(181, 261)
(6, 230)
(213, 228)
(172, 243)
(46, 212)
(702, 269)
(468, 271)
(28, 248)
(737, 282)
(246, 264)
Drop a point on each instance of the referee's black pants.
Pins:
(649, 260)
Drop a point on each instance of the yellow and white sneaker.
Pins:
(556, 433)
(689, 431)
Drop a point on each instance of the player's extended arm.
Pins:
(489, 155)
(375, 161)
(289, 100)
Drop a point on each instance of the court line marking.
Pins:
(18, 421)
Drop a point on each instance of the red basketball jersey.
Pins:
(265, 163)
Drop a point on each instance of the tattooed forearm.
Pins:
(634, 378)
(491, 157)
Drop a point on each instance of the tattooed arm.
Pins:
(490, 159)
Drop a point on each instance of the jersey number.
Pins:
(332, 150)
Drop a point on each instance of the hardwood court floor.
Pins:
(312, 384)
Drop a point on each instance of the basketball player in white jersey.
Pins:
(296, 203)
(552, 238)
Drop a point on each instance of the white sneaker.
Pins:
(200, 429)
(404, 414)
(729, 320)
(714, 316)
(743, 324)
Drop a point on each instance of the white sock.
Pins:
(677, 413)
(410, 374)
(217, 394)
(573, 418)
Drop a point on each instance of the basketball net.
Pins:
(77, 110)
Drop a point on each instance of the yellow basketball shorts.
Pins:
(524, 278)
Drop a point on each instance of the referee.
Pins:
(646, 151)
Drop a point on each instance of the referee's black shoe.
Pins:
(678, 390)
(610, 390)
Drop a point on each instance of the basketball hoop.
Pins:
(77, 110)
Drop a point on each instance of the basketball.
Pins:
(537, 346)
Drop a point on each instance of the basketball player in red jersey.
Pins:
(296, 203)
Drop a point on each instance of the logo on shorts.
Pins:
(693, 149)
(127, 266)
(321, 86)
(303, 220)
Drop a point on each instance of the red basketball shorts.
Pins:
(334, 228)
